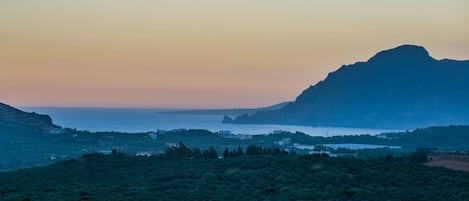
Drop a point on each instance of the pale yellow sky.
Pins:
(205, 53)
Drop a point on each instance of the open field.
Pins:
(455, 162)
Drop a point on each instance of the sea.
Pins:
(133, 120)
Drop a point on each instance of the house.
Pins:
(277, 132)
(346, 155)
(224, 132)
(143, 153)
(153, 136)
(56, 131)
(105, 152)
(168, 144)
(328, 153)
(284, 141)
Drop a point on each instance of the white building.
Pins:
(153, 136)
(143, 153)
(224, 132)
(278, 132)
(56, 131)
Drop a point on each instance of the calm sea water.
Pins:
(144, 120)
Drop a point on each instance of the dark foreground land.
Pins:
(255, 176)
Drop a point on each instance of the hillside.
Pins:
(400, 88)
(12, 117)
(246, 177)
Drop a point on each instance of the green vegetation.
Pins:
(26, 146)
(448, 137)
(257, 174)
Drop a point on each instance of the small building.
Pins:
(277, 132)
(284, 142)
(153, 136)
(333, 155)
(143, 153)
(328, 153)
(224, 132)
(105, 152)
(56, 131)
(168, 144)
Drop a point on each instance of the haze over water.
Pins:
(145, 120)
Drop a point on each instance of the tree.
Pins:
(239, 151)
(179, 151)
(276, 150)
(210, 153)
(196, 153)
(226, 153)
(253, 149)
(183, 150)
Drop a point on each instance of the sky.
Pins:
(204, 53)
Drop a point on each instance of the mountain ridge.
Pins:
(401, 88)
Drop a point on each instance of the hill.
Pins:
(400, 88)
(246, 177)
(12, 117)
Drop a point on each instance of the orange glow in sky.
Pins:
(207, 53)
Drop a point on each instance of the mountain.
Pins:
(234, 112)
(12, 117)
(400, 88)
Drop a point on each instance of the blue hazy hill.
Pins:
(400, 88)
(235, 111)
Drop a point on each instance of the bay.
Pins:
(134, 120)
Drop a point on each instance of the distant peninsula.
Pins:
(234, 111)
(400, 88)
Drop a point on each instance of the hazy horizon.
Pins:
(204, 54)
(130, 107)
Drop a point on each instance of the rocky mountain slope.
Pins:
(399, 88)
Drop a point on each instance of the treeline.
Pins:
(181, 150)
(253, 150)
